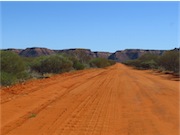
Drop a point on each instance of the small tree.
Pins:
(151, 64)
(12, 68)
(101, 62)
(170, 61)
(52, 64)
(11, 62)
(76, 63)
(78, 66)
(149, 57)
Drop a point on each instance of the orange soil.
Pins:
(114, 101)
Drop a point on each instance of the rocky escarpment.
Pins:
(119, 56)
(130, 54)
(14, 50)
(79, 52)
(102, 54)
(35, 52)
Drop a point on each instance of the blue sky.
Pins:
(99, 26)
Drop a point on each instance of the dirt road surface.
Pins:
(114, 101)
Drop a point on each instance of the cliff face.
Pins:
(35, 52)
(130, 54)
(102, 54)
(119, 56)
(14, 50)
(77, 52)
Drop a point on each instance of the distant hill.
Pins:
(119, 56)
(130, 54)
(35, 52)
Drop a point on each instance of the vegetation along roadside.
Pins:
(168, 62)
(16, 69)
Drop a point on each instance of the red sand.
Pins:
(114, 101)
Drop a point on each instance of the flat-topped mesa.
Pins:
(73, 50)
(13, 50)
(102, 54)
(119, 56)
(35, 52)
(79, 52)
(87, 52)
(130, 54)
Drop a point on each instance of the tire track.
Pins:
(12, 125)
(114, 101)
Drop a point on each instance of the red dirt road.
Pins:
(114, 101)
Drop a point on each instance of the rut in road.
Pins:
(117, 100)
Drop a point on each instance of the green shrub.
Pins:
(12, 68)
(52, 64)
(28, 61)
(151, 64)
(112, 62)
(148, 57)
(11, 62)
(170, 61)
(78, 66)
(7, 79)
(35, 65)
(100, 62)
(135, 63)
(23, 76)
